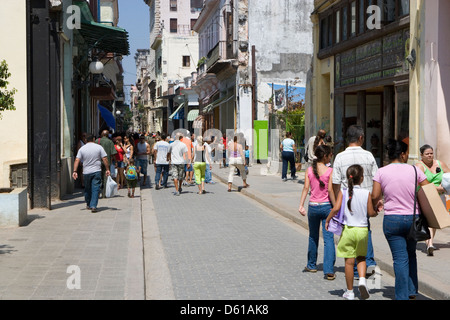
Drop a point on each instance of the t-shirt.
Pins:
(319, 194)
(108, 145)
(189, 147)
(358, 216)
(288, 145)
(397, 183)
(349, 157)
(162, 147)
(91, 155)
(177, 151)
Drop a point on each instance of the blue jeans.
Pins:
(92, 185)
(370, 261)
(396, 229)
(208, 175)
(288, 157)
(164, 168)
(317, 215)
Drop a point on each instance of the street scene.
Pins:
(244, 152)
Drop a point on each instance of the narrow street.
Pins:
(225, 246)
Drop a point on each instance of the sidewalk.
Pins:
(284, 198)
(69, 253)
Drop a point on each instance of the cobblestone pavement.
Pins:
(224, 246)
(157, 246)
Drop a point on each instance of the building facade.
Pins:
(49, 56)
(174, 50)
(430, 77)
(361, 72)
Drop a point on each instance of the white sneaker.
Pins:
(349, 295)
(364, 291)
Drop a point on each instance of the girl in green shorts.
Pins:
(354, 239)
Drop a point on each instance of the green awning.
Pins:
(176, 111)
(100, 36)
(218, 102)
(192, 115)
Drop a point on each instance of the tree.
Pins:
(6, 96)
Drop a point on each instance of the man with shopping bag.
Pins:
(91, 155)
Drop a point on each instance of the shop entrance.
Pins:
(368, 116)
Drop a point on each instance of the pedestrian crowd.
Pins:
(351, 190)
(126, 158)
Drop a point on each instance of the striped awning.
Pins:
(181, 106)
(192, 115)
(218, 102)
(101, 36)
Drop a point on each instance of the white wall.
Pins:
(13, 126)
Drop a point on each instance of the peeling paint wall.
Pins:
(281, 32)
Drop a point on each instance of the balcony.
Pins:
(220, 57)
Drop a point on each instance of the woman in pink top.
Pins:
(397, 183)
(320, 203)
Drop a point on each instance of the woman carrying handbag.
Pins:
(397, 182)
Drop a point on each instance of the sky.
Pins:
(134, 17)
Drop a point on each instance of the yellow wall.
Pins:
(13, 126)
(320, 89)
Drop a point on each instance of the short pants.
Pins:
(143, 163)
(353, 242)
(132, 183)
(178, 172)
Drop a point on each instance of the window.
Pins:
(337, 21)
(186, 61)
(403, 8)
(362, 16)
(353, 19)
(344, 23)
(389, 10)
(196, 5)
(193, 22)
(173, 5)
(173, 25)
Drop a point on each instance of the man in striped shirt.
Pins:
(355, 154)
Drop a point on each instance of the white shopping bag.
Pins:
(111, 188)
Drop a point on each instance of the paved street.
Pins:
(247, 245)
(217, 246)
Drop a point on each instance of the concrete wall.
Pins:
(13, 126)
(430, 80)
(282, 35)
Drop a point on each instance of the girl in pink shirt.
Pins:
(320, 203)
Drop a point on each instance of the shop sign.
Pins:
(378, 59)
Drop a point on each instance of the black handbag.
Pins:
(419, 229)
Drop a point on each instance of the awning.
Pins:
(192, 115)
(101, 36)
(173, 115)
(107, 116)
(218, 102)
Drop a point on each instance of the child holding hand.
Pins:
(354, 239)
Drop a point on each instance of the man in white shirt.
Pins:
(91, 155)
(160, 150)
(355, 154)
(177, 156)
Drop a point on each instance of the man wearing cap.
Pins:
(142, 153)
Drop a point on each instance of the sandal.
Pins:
(330, 276)
(310, 270)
